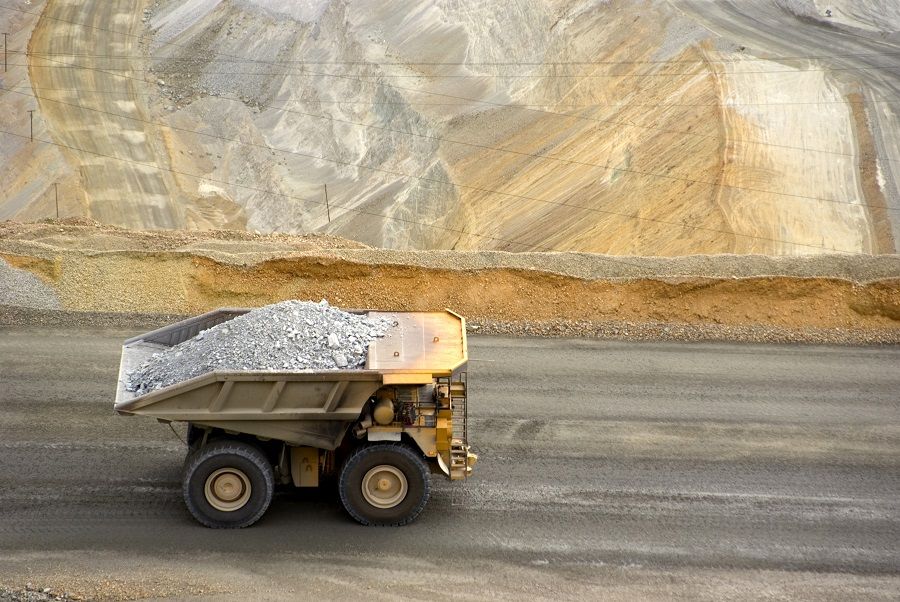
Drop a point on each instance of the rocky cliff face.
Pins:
(620, 127)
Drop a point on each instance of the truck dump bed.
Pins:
(302, 407)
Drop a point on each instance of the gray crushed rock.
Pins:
(30, 593)
(673, 331)
(609, 330)
(287, 336)
(24, 289)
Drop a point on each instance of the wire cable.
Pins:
(205, 178)
(506, 106)
(409, 102)
(497, 192)
(436, 63)
(529, 247)
(713, 185)
(624, 124)
(748, 59)
(464, 186)
(382, 76)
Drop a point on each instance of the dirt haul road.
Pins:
(120, 156)
(607, 470)
(864, 57)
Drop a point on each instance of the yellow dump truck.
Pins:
(381, 431)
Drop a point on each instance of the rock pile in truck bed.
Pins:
(287, 336)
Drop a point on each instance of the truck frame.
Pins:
(381, 431)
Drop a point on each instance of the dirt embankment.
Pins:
(93, 268)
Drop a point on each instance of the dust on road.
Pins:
(618, 470)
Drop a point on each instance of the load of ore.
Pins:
(284, 337)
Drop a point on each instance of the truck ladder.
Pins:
(459, 446)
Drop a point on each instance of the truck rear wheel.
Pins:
(227, 484)
(386, 484)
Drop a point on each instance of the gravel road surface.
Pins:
(622, 470)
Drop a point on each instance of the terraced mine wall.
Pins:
(628, 128)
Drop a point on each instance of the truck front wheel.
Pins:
(384, 485)
(227, 484)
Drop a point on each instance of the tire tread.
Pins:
(404, 450)
(222, 447)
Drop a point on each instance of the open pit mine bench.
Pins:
(381, 431)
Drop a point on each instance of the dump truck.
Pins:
(378, 432)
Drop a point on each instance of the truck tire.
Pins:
(386, 484)
(227, 484)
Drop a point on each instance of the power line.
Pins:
(518, 63)
(272, 192)
(593, 119)
(235, 59)
(381, 76)
(489, 103)
(348, 208)
(510, 105)
(487, 147)
(567, 161)
(457, 185)
(405, 63)
(486, 190)
(505, 105)
(464, 143)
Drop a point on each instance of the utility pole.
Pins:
(327, 207)
(56, 188)
(4, 52)
(31, 119)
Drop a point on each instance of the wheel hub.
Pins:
(384, 486)
(227, 489)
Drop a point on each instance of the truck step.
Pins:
(459, 460)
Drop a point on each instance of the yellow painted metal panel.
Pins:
(427, 341)
(402, 378)
(305, 466)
